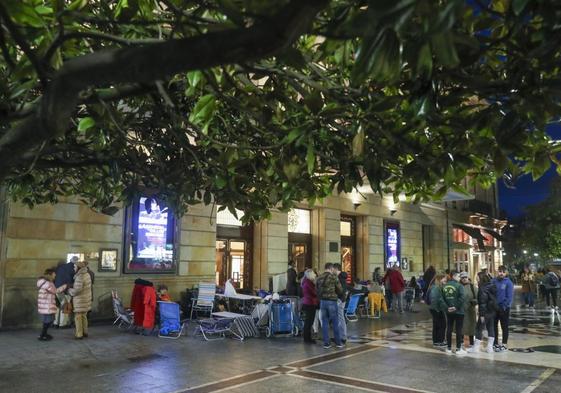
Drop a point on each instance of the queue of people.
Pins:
(452, 300)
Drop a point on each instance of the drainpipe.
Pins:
(447, 236)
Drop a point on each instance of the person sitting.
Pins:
(163, 295)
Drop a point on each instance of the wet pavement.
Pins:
(393, 354)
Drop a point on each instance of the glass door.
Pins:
(300, 254)
(348, 247)
(231, 262)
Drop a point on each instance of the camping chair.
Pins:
(350, 312)
(171, 326)
(122, 316)
(214, 329)
(205, 298)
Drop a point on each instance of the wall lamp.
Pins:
(393, 211)
(356, 205)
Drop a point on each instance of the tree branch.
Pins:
(146, 64)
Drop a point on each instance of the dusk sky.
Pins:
(527, 192)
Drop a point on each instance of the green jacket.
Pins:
(328, 287)
(453, 296)
(435, 295)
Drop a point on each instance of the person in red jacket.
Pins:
(397, 287)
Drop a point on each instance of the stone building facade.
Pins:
(352, 228)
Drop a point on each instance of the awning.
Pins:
(495, 234)
(461, 246)
(475, 233)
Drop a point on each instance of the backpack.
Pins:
(553, 279)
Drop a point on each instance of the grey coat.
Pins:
(82, 291)
(470, 316)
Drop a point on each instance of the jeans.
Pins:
(438, 326)
(553, 293)
(529, 298)
(389, 298)
(309, 316)
(329, 314)
(399, 298)
(489, 324)
(458, 320)
(503, 317)
(341, 318)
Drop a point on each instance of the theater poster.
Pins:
(392, 246)
(151, 245)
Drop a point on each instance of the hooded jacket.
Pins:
(328, 287)
(505, 292)
(487, 300)
(396, 281)
(46, 303)
(310, 297)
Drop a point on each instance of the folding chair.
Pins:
(171, 326)
(205, 298)
(214, 329)
(350, 312)
(122, 316)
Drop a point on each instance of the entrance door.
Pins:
(232, 260)
(301, 254)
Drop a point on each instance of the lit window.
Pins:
(299, 221)
(224, 217)
(346, 228)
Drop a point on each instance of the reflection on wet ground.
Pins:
(548, 348)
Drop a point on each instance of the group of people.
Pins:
(328, 294)
(65, 290)
(453, 299)
(546, 280)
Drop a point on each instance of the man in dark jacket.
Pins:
(64, 276)
(452, 301)
(329, 289)
(505, 294)
(291, 280)
(342, 276)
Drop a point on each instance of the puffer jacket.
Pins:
(82, 291)
(46, 303)
(487, 300)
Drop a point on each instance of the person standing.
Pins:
(82, 299)
(64, 276)
(470, 301)
(428, 277)
(310, 303)
(342, 277)
(329, 289)
(46, 303)
(487, 301)
(528, 280)
(505, 294)
(452, 301)
(397, 287)
(377, 276)
(291, 280)
(551, 284)
(434, 300)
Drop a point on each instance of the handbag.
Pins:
(67, 308)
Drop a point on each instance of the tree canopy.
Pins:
(260, 103)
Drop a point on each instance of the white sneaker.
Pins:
(461, 352)
(448, 351)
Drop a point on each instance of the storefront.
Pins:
(348, 247)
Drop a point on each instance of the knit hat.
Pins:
(464, 275)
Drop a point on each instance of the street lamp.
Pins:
(525, 252)
(536, 254)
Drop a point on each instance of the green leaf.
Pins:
(358, 142)
(292, 135)
(379, 57)
(85, 124)
(519, 5)
(203, 111)
(310, 158)
(424, 61)
(443, 46)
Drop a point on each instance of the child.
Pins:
(163, 294)
(46, 304)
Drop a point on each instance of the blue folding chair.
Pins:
(171, 325)
(352, 306)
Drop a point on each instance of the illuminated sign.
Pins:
(392, 246)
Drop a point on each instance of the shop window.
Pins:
(225, 217)
(459, 236)
(150, 237)
(346, 228)
(299, 221)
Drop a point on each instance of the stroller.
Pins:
(409, 299)
(281, 318)
(123, 317)
(170, 324)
